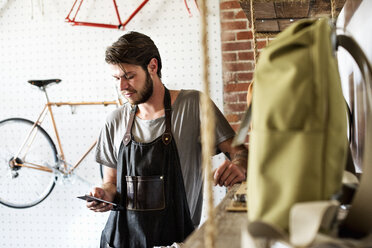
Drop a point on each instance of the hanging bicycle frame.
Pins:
(121, 25)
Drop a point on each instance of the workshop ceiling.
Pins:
(275, 15)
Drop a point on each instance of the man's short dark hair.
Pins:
(133, 48)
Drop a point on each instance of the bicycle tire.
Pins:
(22, 187)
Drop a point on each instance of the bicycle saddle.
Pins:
(43, 83)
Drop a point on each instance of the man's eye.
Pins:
(129, 77)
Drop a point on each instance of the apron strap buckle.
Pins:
(127, 138)
(167, 138)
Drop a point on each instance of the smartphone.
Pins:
(92, 198)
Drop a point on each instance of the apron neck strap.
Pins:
(167, 135)
(128, 133)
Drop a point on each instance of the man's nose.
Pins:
(123, 83)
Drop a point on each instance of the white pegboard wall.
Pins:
(41, 46)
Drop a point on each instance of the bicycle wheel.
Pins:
(20, 186)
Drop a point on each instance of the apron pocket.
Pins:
(145, 193)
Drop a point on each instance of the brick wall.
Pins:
(237, 59)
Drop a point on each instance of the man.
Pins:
(152, 153)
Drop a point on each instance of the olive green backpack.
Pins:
(299, 147)
(298, 141)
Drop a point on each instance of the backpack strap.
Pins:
(358, 222)
(241, 135)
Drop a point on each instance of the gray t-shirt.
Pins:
(186, 133)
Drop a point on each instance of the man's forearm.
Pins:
(240, 157)
(110, 189)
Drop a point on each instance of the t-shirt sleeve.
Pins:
(223, 129)
(105, 149)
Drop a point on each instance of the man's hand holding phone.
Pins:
(99, 200)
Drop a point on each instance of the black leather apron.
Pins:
(150, 185)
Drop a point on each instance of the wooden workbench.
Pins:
(228, 226)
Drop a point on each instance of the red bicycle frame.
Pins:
(187, 6)
(103, 25)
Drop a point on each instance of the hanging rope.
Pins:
(333, 9)
(207, 132)
(253, 24)
(41, 6)
(32, 9)
(255, 52)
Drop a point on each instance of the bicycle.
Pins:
(29, 170)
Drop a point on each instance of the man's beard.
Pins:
(146, 92)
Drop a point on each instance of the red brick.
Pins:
(227, 15)
(236, 46)
(234, 25)
(261, 44)
(240, 115)
(236, 87)
(247, 66)
(229, 57)
(242, 97)
(244, 35)
(235, 127)
(245, 76)
(231, 97)
(230, 5)
(235, 107)
(235, 97)
(245, 56)
(227, 36)
(241, 15)
(232, 118)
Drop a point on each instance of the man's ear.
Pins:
(152, 67)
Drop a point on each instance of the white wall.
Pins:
(36, 45)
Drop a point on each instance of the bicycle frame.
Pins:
(121, 25)
(30, 137)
